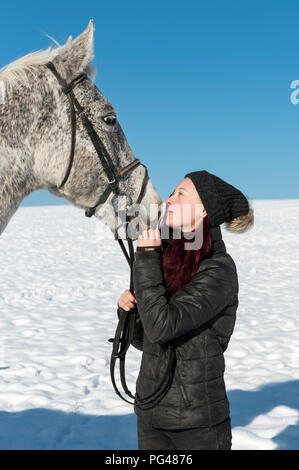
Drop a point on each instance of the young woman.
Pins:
(187, 301)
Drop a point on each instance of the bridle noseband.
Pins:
(112, 173)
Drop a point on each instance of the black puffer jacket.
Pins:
(197, 322)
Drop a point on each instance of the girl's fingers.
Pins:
(125, 306)
(131, 298)
(157, 234)
(151, 233)
(128, 296)
(126, 300)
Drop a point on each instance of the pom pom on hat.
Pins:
(242, 223)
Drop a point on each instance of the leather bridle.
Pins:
(113, 174)
(125, 329)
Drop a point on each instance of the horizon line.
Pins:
(69, 204)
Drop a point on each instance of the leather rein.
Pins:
(125, 328)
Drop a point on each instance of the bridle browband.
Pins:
(112, 173)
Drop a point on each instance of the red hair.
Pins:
(178, 264)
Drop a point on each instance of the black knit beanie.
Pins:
(222, 201)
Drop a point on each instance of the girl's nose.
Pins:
(169, 200)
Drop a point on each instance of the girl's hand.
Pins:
(126, 300)
(149, 237)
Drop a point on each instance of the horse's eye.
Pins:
(110, 120)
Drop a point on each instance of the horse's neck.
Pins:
(16, 182)
(16, 155)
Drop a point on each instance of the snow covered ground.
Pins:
(61, 276)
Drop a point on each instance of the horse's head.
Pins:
(87, 179)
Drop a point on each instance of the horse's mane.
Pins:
(19, 70)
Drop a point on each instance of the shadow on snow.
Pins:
(41, 428)
(51, 429)
(247, 405)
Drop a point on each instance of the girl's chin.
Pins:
(170, 222)
(167, 221)
(170, 219)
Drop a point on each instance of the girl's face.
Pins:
(184, 207)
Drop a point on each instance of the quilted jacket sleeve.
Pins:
(210, 290)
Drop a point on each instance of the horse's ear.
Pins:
(75, 55)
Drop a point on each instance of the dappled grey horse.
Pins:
(45, 143)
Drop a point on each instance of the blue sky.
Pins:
(196, 84)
